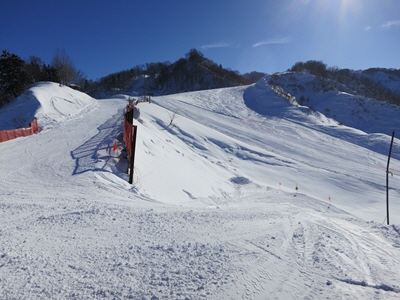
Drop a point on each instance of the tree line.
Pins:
(192, 72)
(361, 82)
(16, 74)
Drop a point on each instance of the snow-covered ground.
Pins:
(213, 213)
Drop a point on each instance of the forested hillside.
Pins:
(196, 72)
(378, 83)
(192, 73)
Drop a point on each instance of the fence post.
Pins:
(387, 180)
(133, 149)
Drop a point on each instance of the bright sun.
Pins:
(349, 7)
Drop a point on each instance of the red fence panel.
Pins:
(34, 126)
(11, 134)
(3, 136)
(130, 132)
(19, 132)
(6, 135)
(128, 136)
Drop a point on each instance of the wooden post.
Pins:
(387, 180)
(132, 158)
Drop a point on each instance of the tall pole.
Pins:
(132, 158)
(387, 180)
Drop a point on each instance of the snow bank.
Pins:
(49, 102)
(338, 103)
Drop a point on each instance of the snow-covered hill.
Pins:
(46, 101)
(339, 102)
(238, 194)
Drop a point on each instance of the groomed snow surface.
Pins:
(213, 213)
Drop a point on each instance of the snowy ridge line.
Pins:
(6, 135)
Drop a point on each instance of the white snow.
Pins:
(213, 212)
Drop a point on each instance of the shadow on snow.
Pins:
(98, 148)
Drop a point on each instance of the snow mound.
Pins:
(49, 102)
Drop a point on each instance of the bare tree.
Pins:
(172, 117)
(65, 67)
(79, 78)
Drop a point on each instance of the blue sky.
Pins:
(102, 37)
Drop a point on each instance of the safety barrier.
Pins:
(130, 112)
(6, 135)
(130, 133)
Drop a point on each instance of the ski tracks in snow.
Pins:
(70, 230)
(299, 255)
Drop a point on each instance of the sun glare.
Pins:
(349, 7)
(342, 10)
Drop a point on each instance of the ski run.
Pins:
(238, 193)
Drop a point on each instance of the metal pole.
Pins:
(132, 158)
(387, 180)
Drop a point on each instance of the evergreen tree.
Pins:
(12, 76)
(50, 73)
(35, 69)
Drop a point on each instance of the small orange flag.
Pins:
(115, 146)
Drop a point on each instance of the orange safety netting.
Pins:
(128, 133)
(128, 129)
(6, 135)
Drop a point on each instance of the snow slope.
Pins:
(340, 103)
(47, 102)
(213, 212)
